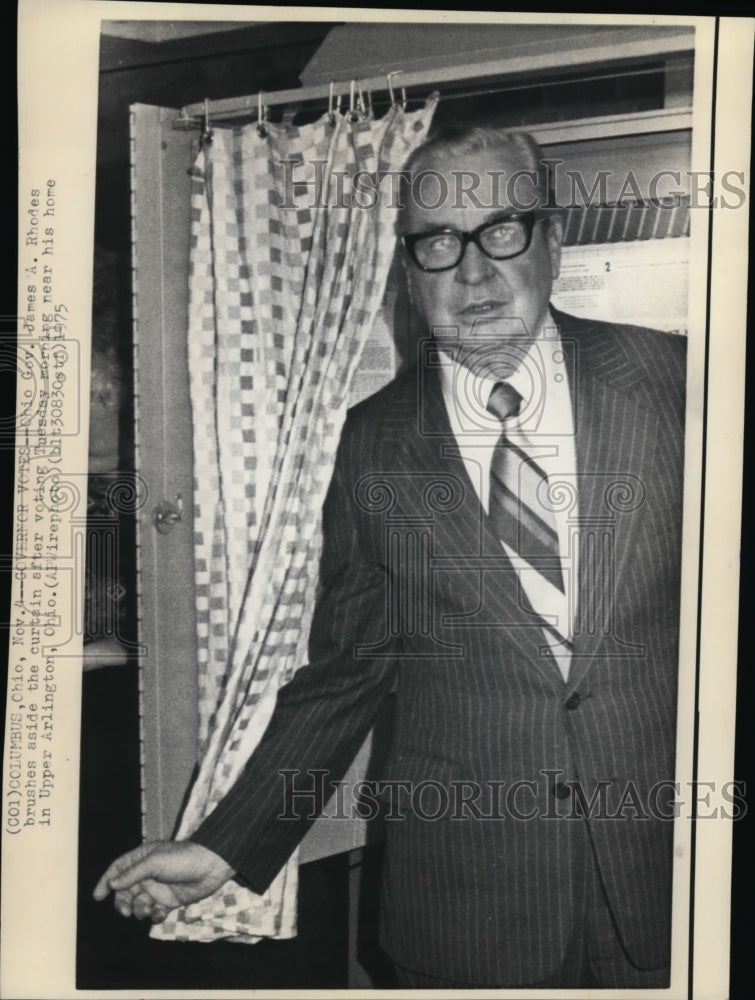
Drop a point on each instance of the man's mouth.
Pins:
(485, 307)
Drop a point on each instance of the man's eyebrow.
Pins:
(434, 227)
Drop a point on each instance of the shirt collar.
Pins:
(469, 391)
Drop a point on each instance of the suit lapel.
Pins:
(614, 443)
(464, 545)
(615, 440)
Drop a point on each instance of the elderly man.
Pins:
(502, 551)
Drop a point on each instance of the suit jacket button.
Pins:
(573, 700)
(560, 790)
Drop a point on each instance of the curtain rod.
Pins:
(399, 79)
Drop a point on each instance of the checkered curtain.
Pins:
(288, 265)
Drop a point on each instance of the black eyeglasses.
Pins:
(500, 239)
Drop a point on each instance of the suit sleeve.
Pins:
(322, 715)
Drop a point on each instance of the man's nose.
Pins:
(474, 266)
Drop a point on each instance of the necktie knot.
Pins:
(504, 401)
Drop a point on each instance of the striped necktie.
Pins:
(518, 489)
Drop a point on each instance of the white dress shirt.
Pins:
(544, 428)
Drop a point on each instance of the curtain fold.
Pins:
(290, 254)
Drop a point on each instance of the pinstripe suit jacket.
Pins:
(417, 595)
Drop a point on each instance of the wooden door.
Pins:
(161, 157)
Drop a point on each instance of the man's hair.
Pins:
(459, 138)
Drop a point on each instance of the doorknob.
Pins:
(166, 514)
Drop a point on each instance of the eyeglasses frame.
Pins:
(531, 218)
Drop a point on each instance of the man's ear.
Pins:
(555, 238)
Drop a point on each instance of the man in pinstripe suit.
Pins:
(529, 784)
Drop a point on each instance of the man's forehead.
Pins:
(490, 160)
(484, 182)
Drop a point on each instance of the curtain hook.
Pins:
(392, 73)
(360, 102)
(261, 113)
(206, 130)
(403, 98)
(331, 112)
